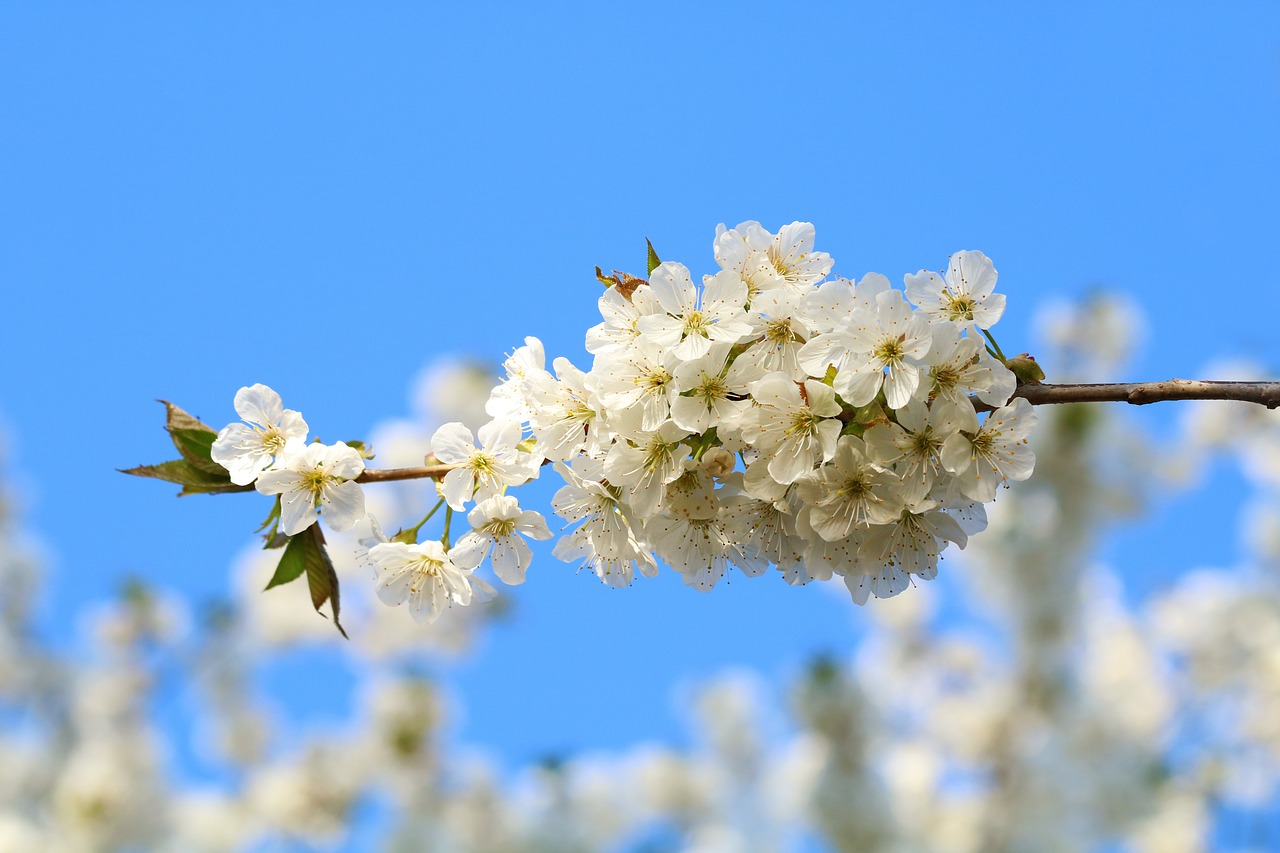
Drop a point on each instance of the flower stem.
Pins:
(998, 352)
(414, 530)
(448, 522)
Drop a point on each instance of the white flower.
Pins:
(960, 366)
(636, 386)
(526, 370)
(248, 450)
(566, 413)
(482, 472)
(718, 396)
(965, 297)
(762, 533)
(596, 507)
(766, 261)
(909, 544)
(914, 444)
(495, 523)
(850, 493)
(318, 478)
(656, 460)
(893, 339)
(621, 326)
(776, 316)
(793, 424)
(423, 574)
(997, 452)
(698, 548)
(693, 320)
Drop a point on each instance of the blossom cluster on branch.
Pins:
(770, 416)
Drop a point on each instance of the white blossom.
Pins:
(494, 525)
(482, 471)
(248, 449)
(423, 575)
(318, 478)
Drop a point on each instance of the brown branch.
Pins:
(1140, 393)
(386, 475)
(1039, 394)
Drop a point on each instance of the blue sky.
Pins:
(323, 198)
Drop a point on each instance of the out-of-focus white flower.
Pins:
(248, 449)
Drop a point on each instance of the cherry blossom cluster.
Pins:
(770, 416)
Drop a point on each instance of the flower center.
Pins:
(804, 422)
(891, 351)
(498, 527)
(712, 388)
(855, 488)
(960, 307)
(778, 332)
(314, 481)
(482, 463)
(924, 444)
(945, 377)
(655, 381)
(696, 323)
(272, 439)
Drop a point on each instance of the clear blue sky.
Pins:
(323, 197)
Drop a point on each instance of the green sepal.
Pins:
(408, 537)
(704, 442)
(194, 480)
(196, 471)
(870, 415)
(306, 553)
(526, 445)
(651, 260)
(853, 428)
(1024, 367)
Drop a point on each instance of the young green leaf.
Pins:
(194, 480)
(653, 257)
(305, 553)
(293, 562)
(322, 578)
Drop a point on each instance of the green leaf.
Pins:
(196, 446)
(322, 578)
(306, 553)
(175, 418)
(193, 479)
(193, 439)
(653, 257)
(293, 562)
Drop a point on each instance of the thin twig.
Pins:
(1039, 394)
(386, 475)
(1140, 393)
